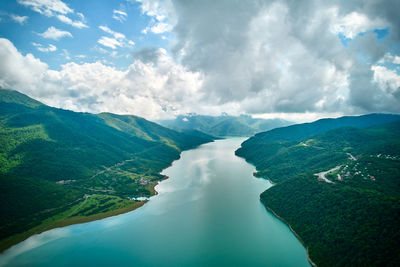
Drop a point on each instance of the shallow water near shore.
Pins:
(208, 213)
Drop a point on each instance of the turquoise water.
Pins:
(207, 214)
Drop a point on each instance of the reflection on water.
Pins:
(207, 214)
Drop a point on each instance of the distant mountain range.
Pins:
(337, 186)
(59, 167)
(224, 125)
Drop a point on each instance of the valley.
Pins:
(199, 133)
(60, 167)
(334, 179)
(205, 214)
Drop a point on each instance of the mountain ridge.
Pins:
(224, 125)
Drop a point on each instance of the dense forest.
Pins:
(337, 186)
(58, 167)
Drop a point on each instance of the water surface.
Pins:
(207, 214)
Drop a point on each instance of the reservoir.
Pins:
(208, 213)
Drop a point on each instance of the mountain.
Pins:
(304, 130)
(338, 189)
(225, 125)
(60, 167)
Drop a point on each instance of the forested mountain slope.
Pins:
(339, 190)
(304, 130)
(59, 167)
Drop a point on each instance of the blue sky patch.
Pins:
(381, 33)
(25, 27)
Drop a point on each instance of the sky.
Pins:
(296, 60)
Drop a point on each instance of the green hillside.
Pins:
(225, 125)
(59, 167)
(350, 215)
(304, 130)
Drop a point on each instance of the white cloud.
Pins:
(299, 117)
(285, 56)
(74, 23)
(152, 90)
(161, 28)
(55, 8)
(17, 70)
(55, 34)
(41, 48)
(260, 57)
(355, 23)
(50, 48)
(160, 10)
(117, 35)
(19, 19)
(119, 15)
(389, 58)
(387, 79)
(118, 40)
(158, 28)
(47, 7)
(109, 42)
(162, 13)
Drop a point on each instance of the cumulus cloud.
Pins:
(354, 23)
(287, 56)
(119, 15)
(55, 34)
(55, 8)
(149, 54)
(252, 55)
(387, 79)
(16, 69)
(154, 89)
(249, 56)
(162, 14)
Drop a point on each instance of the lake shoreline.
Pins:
(293, 231)
(194, 172)
(283, 220)
(20, 237)
(256, 175)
